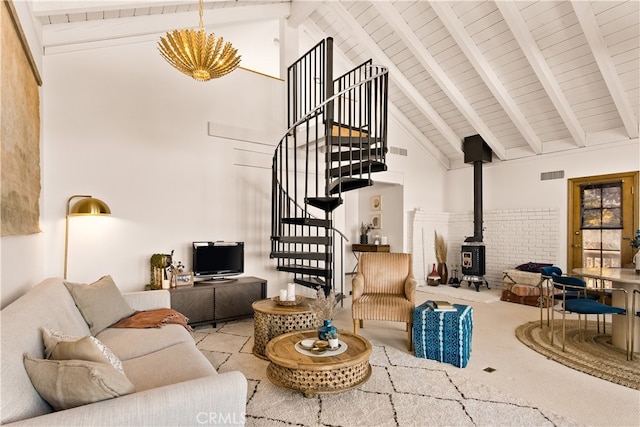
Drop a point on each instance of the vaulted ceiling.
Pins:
(529, 77)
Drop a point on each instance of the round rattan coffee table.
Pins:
(315, 374)
(271, 320)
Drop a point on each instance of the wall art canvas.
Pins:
(20, 134)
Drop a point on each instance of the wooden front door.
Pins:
(603, 218)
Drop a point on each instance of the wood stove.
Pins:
(472, 254)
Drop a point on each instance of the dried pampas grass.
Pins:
(441, 248)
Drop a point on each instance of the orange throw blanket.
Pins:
(153, 319)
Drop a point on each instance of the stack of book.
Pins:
(443, 306)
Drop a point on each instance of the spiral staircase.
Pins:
(336, 138)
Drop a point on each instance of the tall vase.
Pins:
(326, 330)
(364, 239)
(443, 272)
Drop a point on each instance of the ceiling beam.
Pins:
(107, 29)
(608, 70)
(484, 69)
(300, 10)
(529, 47)
(413, 43)
(62, 7)
(342, 14)
(396, 114)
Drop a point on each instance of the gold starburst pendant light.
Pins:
(196, 54)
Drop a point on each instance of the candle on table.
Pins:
(291, 292)
(283, 294)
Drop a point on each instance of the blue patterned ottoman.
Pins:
(444, 336)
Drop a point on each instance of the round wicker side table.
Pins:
(318, 374)
(271, 320)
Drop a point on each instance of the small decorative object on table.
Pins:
(325, 307)
(327, 330)
(364, 229)
(158, 265)
(182, 279)
(333, 338)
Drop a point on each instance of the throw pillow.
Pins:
(66, 384)
(100, 303)
(532, 267)
(59, 346)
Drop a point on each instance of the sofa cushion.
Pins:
(128, 343)
(58, 346)
(174, 364)
(100, 303)
(48, 304)
(66, 384)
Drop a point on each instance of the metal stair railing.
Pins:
(352, 126)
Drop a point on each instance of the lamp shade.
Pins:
(90, 206)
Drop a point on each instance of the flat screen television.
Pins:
(218, 260)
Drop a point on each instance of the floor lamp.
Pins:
(87, 206)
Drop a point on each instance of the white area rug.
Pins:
(402, 391)
(464, 292)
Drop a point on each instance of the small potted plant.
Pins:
(332, 337)
(364, 229)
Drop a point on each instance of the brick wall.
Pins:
(512, 237)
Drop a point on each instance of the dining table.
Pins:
(625, 278)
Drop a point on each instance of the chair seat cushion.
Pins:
(589, 306)
(391, 307)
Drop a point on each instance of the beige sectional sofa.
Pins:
(172, 382)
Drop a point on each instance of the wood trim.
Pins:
(633, 176)
(23, 40)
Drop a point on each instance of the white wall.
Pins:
(138, 138)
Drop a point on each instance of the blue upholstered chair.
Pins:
(576, 299)
(546, 288)
(552, 296)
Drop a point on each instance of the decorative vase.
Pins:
(334, 342)
(364, 239)
(636, 258)
(325, 330)
(433, 279)
(443, 272)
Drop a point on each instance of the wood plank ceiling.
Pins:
(531, 77)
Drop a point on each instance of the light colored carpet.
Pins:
(464, 292)
(592, 354)
(402, 391)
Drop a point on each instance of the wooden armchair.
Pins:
(384, 289)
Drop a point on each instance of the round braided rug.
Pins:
(592, 353)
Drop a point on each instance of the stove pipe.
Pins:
(476, 151)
